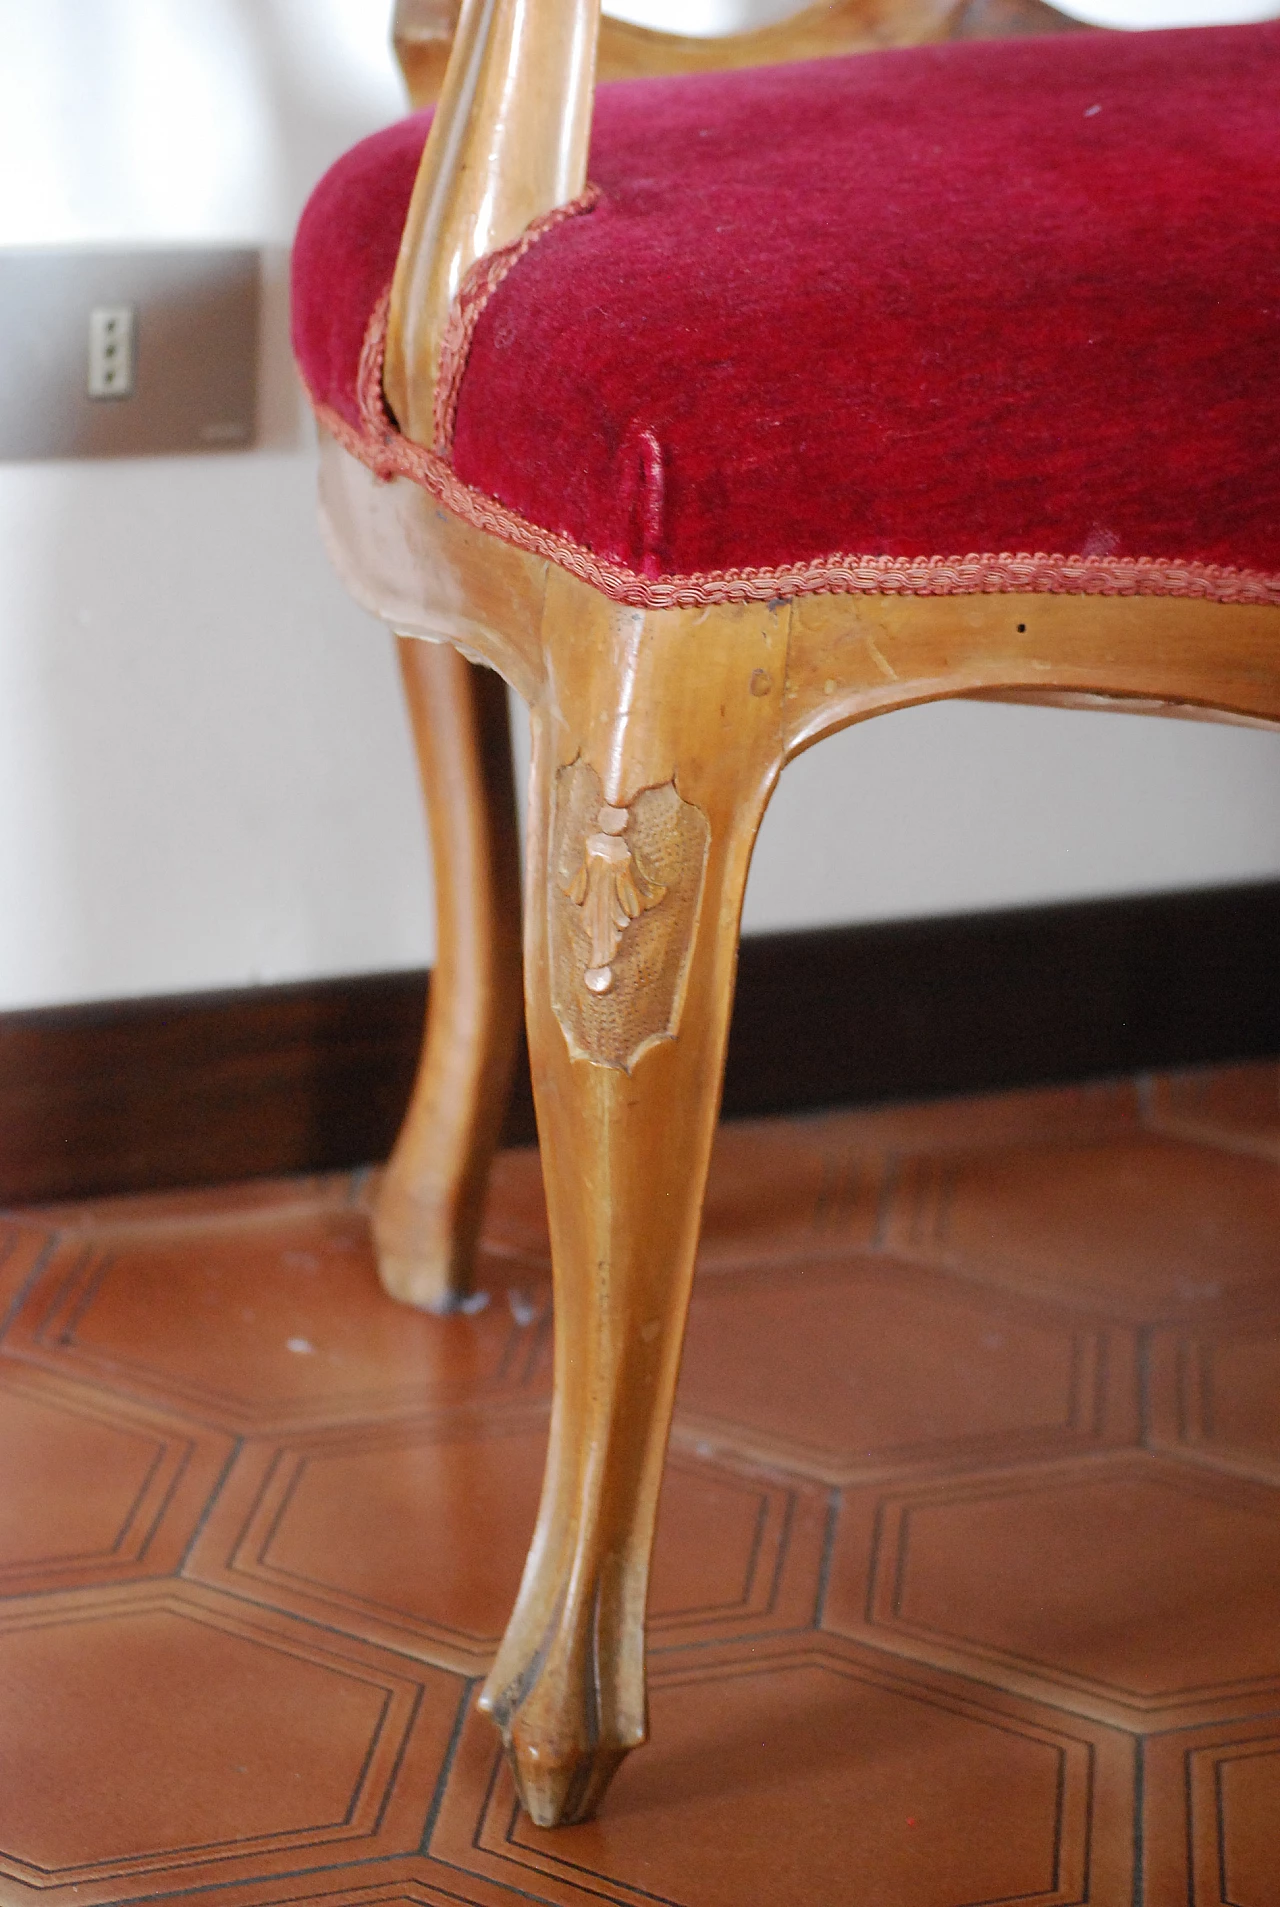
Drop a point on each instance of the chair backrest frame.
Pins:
(423, 32)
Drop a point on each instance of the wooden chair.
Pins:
(710, 454)
(429, 1205)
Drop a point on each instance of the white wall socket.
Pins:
(111, 351)
(170, 330)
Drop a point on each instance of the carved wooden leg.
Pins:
(431, 1200)
(653, 758)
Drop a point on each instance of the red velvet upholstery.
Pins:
(1018, 296)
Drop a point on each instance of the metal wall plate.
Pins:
(193, 340)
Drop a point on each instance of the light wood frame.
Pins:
(667, 727)
(428, 1208)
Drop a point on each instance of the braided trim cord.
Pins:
(474, 293)
(380, 447)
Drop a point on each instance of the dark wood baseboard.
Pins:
(198, 1089)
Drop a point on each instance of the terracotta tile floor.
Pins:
(968, 1577)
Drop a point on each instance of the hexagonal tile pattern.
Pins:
(1032, 1579)
(1212, 1805)
(1147, 1228)
(204, 1745)
(1215, 1392)
(416, 1536)
(930, 1626)
(875, 1368)
(829, 1772)
(269, 1322)
(1236, 1107)
(92, 1489)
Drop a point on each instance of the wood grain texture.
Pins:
(428, 1212)
(855, 656)
(625, 1157)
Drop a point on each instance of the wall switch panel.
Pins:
(127, 353)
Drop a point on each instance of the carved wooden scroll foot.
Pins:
(431, 1200)
(653, 760)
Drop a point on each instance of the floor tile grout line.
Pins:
(28, 1284)
(1145, 1336)
(237, 1445)
(294, 1873)
(1139, 1823)
(834, 1501)
(446, 1766)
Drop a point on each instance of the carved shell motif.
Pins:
(625, 890)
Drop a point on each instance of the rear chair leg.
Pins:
(654, 756)
(427, 1217)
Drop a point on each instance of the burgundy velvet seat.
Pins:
(997, 315)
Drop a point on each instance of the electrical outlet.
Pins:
(111, 351)
(150, 351)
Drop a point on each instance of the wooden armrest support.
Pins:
(423, 33)
(507, 144)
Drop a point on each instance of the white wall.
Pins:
(204, 767)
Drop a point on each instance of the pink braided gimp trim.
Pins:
(474, 294)
(379, 445)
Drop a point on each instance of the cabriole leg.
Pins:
(653, 759)
(429, 1207)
